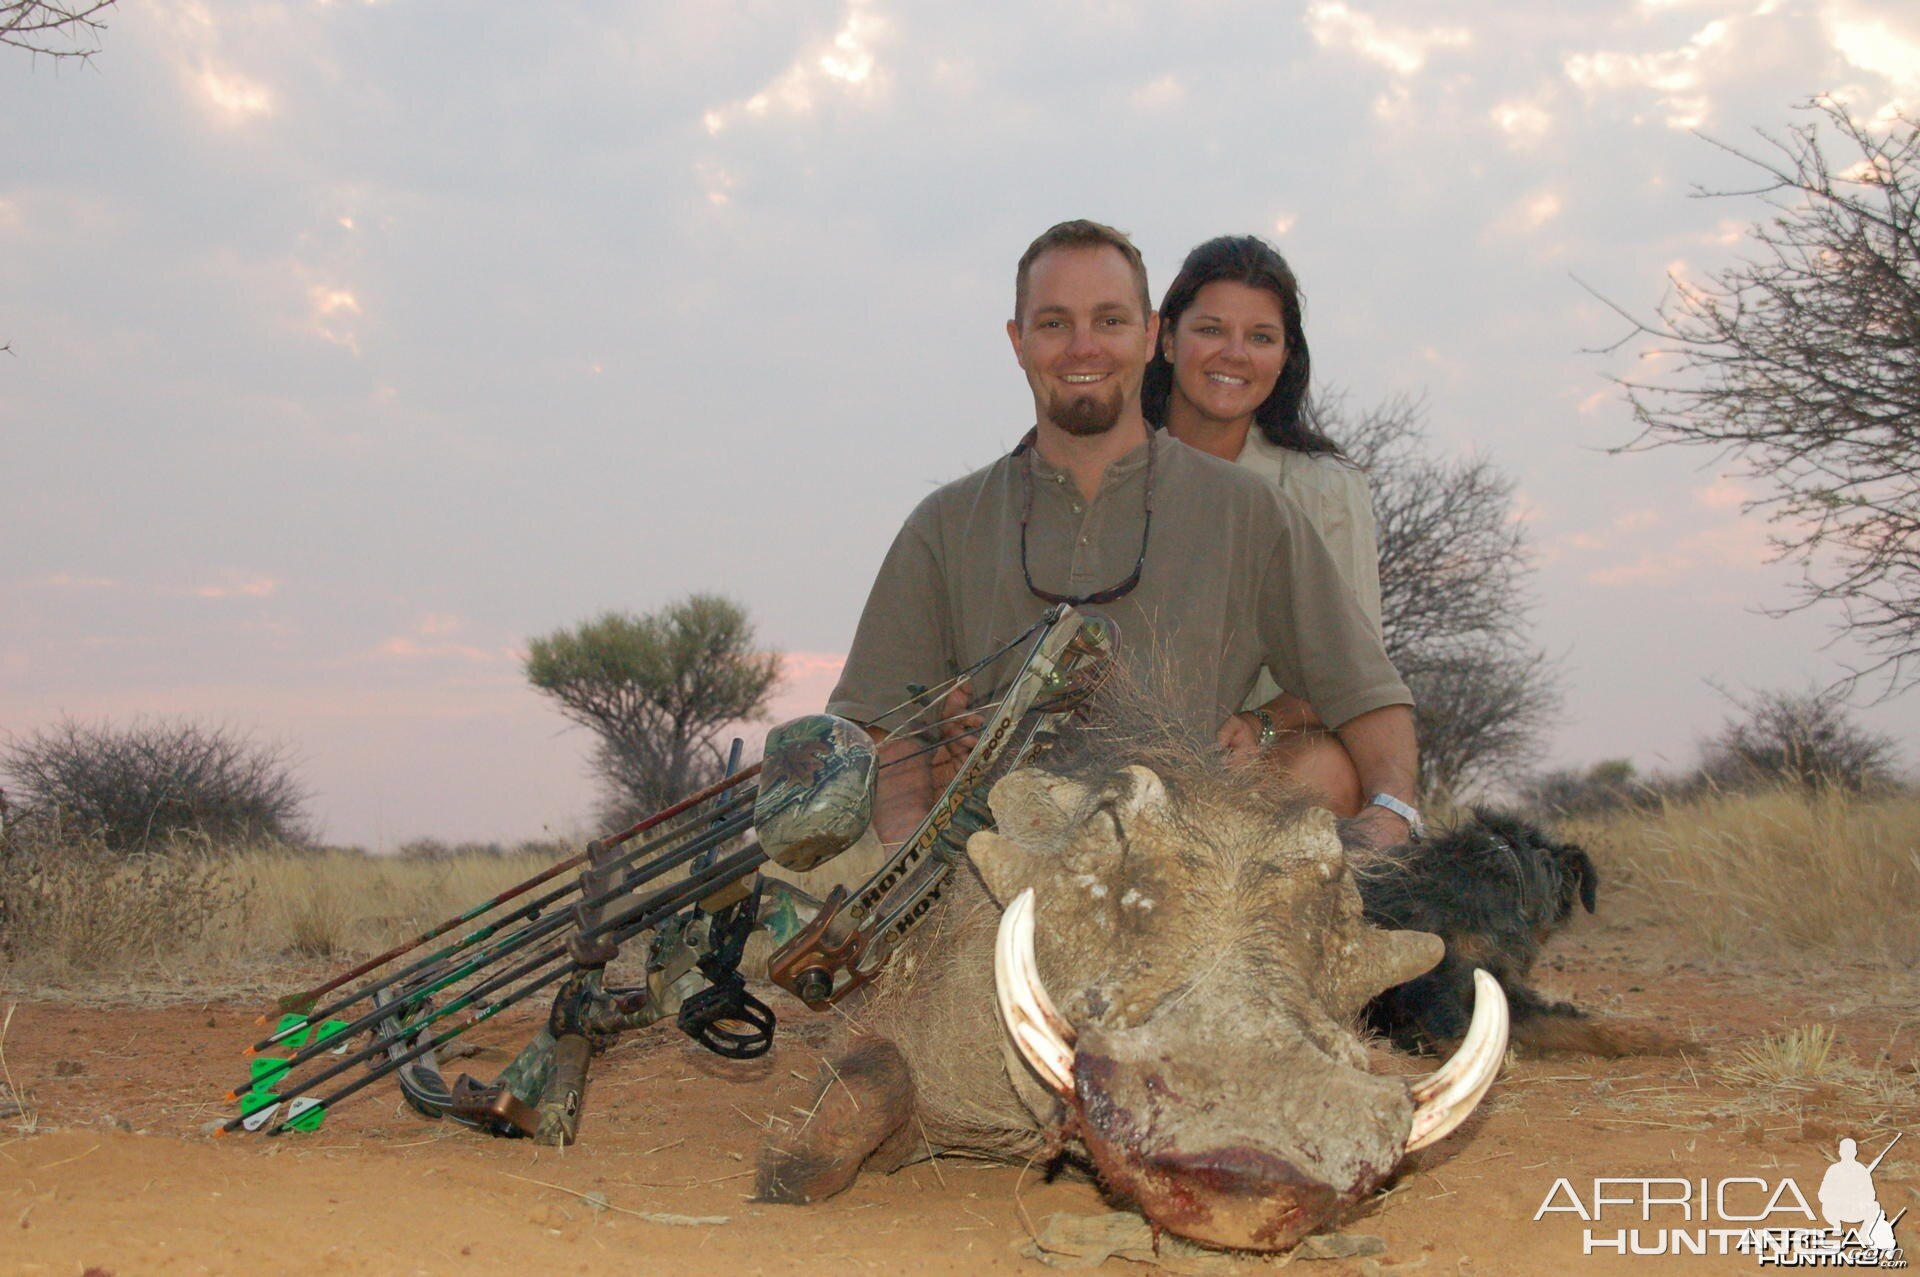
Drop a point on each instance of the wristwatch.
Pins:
(1416, 827)
(1269, 734)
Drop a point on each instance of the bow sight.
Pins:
(693, 889)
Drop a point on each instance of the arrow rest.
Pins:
(711, 1016)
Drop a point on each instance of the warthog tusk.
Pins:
(1445, 1098)
(1039, 1032)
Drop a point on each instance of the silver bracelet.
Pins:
(1269, 734)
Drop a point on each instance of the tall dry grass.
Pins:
(76, 917)
(1763, 875)
(1821, 873)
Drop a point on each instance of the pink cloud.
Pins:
(408, 647)
(1721, 494)
(807, 679)
(67, 581)
(1738, 546)
(239, 585)
(1525, 509)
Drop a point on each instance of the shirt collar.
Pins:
(1128, 464)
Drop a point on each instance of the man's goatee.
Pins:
(1086, 415)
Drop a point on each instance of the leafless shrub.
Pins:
(1796, 738)
(144, 785)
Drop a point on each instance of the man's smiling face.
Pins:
(1085, 338)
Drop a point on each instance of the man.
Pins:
(1206, 571)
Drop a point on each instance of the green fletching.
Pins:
(305, 1115)
(292, 1039)
(266, 1070)
(326, 1032)
(256, 1099)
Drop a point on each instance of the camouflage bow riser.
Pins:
(853, 935)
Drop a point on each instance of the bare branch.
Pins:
(1800, 362)
(56, 30)
(1454, 602)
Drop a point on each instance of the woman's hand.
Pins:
(1239, 735)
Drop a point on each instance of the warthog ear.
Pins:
(1148, 790)
(1389, 958)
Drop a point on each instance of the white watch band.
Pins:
(1416, 827)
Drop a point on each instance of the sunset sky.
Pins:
(355, 343)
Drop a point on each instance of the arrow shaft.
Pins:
(508, 946)
(487, 932)
(300, 1002)
(630, 922)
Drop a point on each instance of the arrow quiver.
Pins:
(853, 935)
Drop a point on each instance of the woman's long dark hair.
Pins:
(1250, 260)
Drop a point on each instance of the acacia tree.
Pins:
(1453, 595)
(58, 30)
(1802, 362)
(658, 690)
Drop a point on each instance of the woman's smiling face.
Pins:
(1227, 351)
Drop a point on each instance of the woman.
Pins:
(1230, 378)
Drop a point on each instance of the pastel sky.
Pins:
(354, 343)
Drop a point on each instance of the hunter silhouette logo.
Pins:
(1773, 1221)
(1847, 1197)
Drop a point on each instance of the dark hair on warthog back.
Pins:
(1125, 722)
(1244, 259)
(1495, 889)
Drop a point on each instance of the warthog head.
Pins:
(1179, 974)
(1164, 975)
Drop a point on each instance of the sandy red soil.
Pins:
(110, 1171)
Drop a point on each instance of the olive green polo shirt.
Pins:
(1235, 578)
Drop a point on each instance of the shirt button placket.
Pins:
(1083, 556)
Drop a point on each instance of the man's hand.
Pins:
(1385, 761)
(959, 731)
(1239, 735)
(1378, 828)
(903, 792)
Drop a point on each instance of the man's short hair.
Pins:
(1079, 233)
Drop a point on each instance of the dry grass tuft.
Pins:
(1797, 1056)
(1823, 873)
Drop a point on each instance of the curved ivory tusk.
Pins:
(1039, 1032)
(1445, 1098)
